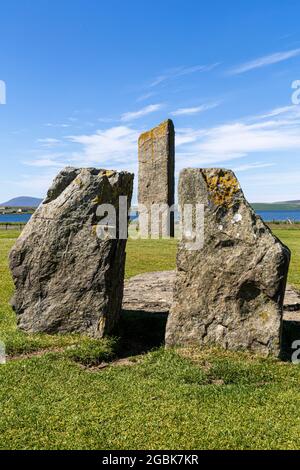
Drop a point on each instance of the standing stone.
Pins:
(67, 279)
(156, 180)
(230, 292)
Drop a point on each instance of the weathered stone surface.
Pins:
(156, 178)
(68, 279)
(230, 292)
(291, 307)
(149, 292)
(153, 292)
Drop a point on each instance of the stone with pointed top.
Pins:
(67, 279)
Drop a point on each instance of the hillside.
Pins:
(277, 206)
(22, 201)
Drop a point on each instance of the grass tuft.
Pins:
(93, 352)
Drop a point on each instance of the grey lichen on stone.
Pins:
(230, 292)
(67, 279)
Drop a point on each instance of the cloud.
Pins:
(146, 96)
(277, 111)
(252, 166)
(35, 185)
(195, 110)
(152, 108)
(239, 139)
(264, 61)
(48, 160)
(49, 142)
(44, 163)
(105, 119)
(273, 186)
(63, 126)
(112, 148)
(180, 72)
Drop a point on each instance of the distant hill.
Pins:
(277, 206)
(293, 202)
(23, 201)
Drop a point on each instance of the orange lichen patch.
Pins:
(155, 133)
(222, 187)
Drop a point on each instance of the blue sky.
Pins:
(85, 77)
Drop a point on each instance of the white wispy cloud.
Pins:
(48, 142)
(55, 159)
(253, 166)
(227, 142)
(116, 148)
(57, 125)
(131, 116)
(35, 185)
(146, 96)
(105, 119)
(264, 61)
(195, 109)
(280, 185)
(44, 163)
(112, 148)
(277, 111)
(180, 72)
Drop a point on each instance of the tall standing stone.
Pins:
(156, 179)
(67, 277)
(230, 292)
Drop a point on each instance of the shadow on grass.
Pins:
(140, 332)
(290, 333)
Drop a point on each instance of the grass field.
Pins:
(184, 399)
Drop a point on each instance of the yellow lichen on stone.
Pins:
(222, 188)
(79, 182)
(155, 133)
(265, 316)
(94, 230)
(107, 173)
(97, 200)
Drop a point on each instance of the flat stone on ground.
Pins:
(153, 292)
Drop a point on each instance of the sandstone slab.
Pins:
(230, 291)
(67, 278)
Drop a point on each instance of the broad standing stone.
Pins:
(67, 279)
(230, 292)
(156, 179)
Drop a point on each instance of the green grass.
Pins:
(150, 255)
(184, 399)
(291, 238)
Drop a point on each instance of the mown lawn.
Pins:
(291, 237)
(185, 399)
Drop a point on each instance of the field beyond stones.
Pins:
(69, 392)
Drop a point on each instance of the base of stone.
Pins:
(153, 292)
